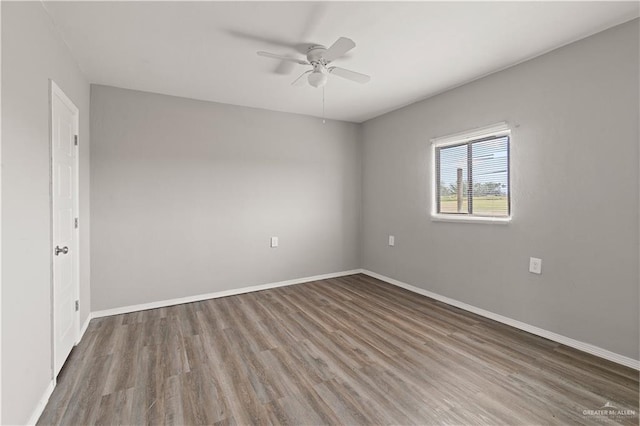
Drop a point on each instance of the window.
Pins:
(472, 175)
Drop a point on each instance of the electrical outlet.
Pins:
(392, 240)
(535, 265)
(274, 242)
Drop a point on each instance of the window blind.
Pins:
(473, 177)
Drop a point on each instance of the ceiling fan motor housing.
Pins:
(315, 55)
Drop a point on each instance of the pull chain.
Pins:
(323, 120)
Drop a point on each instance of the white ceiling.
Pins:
(412, 50)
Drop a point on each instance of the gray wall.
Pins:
(32, 53)
(186, 194)
(575, 194)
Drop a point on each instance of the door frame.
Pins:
(56, 91)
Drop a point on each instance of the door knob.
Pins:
(63, 250)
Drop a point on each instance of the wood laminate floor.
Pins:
(350, 350)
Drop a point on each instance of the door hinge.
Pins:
(75, 223)
(77, 305)
(75, 140)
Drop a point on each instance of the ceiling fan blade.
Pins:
(284, 68)
(300, 81)
(339, 48)
(350, 75)
(283, 58)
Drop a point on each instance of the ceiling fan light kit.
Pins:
(317, 78)
(319, 57)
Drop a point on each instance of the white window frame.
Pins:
(494, 130)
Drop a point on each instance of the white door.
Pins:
(64, 128)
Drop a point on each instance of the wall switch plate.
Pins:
(274, 242)
(535, 265)
(392, 240)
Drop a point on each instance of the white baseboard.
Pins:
(84, 327)
(585, 347)
(42, 403)
(215, 295)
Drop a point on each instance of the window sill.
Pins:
(471, 219)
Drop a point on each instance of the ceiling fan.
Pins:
(319, 57)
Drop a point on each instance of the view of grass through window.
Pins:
(474, 178)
